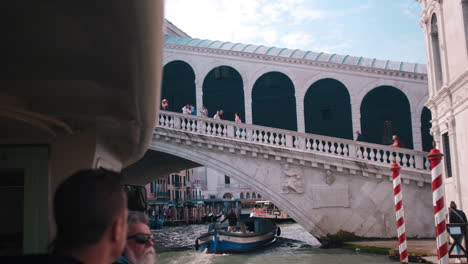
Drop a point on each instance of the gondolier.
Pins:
(232, 219)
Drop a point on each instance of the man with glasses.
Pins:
(140, 241)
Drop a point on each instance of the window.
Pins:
(447, 157)
(212, 197)
(465, 19)
(227, 180)
(437, 65)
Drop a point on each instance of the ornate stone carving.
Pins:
(293, 179)
(329, 178)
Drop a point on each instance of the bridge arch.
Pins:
(178, 85)
(226, 168)
(327, 109)
(386, 111)
(426, 136)
(223, 89)
(274, 101)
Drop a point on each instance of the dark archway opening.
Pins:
(327, 109)
(223, 89)
(274, 102)
(426, 125)
(385, 111)
(178, 85)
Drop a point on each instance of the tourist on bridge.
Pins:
(359, 136)
(221, 114)
(457, 217)
(396, 142)
(216, 116)
(204, 111)
(232, 219)
(164, 105)
(186, 110)
(139, 248)
(237, 118)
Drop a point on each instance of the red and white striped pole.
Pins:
(438, 201)
(400, 215)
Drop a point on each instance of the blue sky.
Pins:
(383, 29)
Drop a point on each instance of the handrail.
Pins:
(306, 142)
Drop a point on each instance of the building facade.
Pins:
(445, 25)
(224, 186)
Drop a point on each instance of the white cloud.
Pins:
(245, 21)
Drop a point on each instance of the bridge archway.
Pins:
(426, 125)
(223, 89)
(385, 111)
(274, 101)
(178, 85)
(327, 109)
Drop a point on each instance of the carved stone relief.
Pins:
(293, 179)
(329, 178)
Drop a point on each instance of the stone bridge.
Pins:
(326, 184)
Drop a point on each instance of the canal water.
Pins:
(295, 245)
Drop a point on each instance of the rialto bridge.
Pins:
(304, 91)
(326, 184)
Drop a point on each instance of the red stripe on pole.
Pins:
(397, 189)
(437, 182)
(440, 228)
(402, 238)
(439, 205)
(400, 221)
(399, 205)
(403, 255)
(442, 250)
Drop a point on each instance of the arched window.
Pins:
(437, 64)
(247, 195)
(327, 109)
(259, 196)
(178, 85)
(426, 129)
(385, 111)
(223, 90)
(274, 101)
(242, 195)
(227, 196)
(254, 195)
(465, 20)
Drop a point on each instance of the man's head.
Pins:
(164, 103)
(453, 205)
(358, 132)
(394, 137)
(90, 209)
(221, 112)
(139, 248)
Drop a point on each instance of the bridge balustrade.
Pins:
(285, 139)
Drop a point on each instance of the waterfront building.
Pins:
(445, 25)
(225, 187)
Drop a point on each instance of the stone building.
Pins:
(445, 25)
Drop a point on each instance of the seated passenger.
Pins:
(140, 246)
(90, 209)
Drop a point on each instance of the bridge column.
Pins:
(300, 113)
(199, 94)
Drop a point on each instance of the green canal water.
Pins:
(296, 246)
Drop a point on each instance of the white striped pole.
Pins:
(400, 214)
(438, 201)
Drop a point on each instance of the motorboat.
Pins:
(252, 234)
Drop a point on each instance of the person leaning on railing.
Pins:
(457, 217)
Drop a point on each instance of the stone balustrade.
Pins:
(303, 142)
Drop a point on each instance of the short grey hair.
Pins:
(135, 217)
